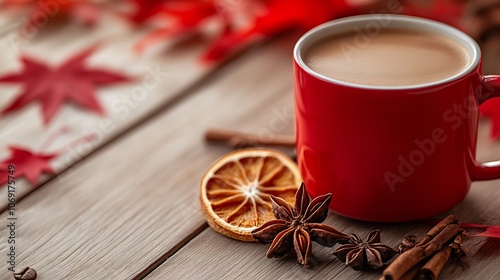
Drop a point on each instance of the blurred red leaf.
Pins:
(28, 164)
(182, 17)
(72, 81)
(490, 231)
(147, 9)
(280, 16)
(269, 17)
(40, 11)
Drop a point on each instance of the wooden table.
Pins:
(125, 206)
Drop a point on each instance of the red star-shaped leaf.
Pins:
(51, 87)
(27, 163)
(491, 109)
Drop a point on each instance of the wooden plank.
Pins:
(131, 204)
(213, 256)
(8, 22)
(163, 75)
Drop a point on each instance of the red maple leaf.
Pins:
(491, 109)
(30, 164)
(270, 17)
(41, 11)
(489, 231)
(51, 87)
(27, 164)
(280, 16)
(181, 17)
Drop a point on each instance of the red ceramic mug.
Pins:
(390, 153)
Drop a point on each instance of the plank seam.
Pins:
(150, 116)
(162, 259)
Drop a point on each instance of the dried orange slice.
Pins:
(234, 192)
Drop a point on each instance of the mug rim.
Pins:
(326, 29)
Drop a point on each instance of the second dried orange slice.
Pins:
(234, 192)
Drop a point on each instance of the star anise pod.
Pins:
(368, 254)
(296, 227)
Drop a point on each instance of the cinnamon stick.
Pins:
(242, 140)
(433, 267)
(431, 243)
(438, 228)
(444, 236)
(410, 274)
(413, 272)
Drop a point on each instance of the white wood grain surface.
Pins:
(210, 255)
(132, 203)
(161, 77)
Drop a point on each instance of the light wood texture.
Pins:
(162, 76)
(131, 204)
(211, 255)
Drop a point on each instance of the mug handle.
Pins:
(490, 88)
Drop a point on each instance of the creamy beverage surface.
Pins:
(392, 57)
